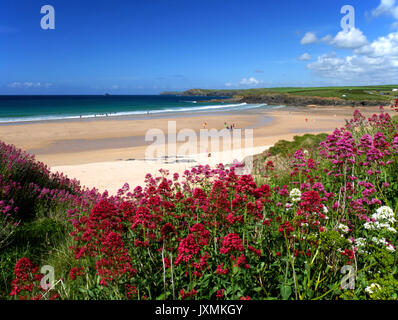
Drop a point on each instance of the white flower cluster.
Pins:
(359, 243)
(384, 242)
(372, 288)
(343, 228)
(295, 195)
(384, 217)
(384, 213)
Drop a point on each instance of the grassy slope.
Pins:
(352, 93)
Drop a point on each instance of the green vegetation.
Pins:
(350, 93)
(311, 208)
(34, 208)
(307, 141)
(355, 93)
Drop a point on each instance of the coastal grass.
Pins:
(348, 93)
(355, 93)
(34, 203)
(283, 150)
(307, 141)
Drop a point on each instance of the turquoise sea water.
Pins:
(40, 108)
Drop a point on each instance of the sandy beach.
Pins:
(106, 153)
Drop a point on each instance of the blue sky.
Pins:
(144, 47)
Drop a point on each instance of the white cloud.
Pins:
(382, 47)
(327, 39)
(330, 66)
(386, 7)
(310, 37)
(352, 39)
(18, 84)
(15, 85)
(250, 81)
(368, 62)
(32, 84)
(376, 62)
(305, 57)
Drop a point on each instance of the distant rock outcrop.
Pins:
(202, 93)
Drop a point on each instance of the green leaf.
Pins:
(286, 291)
(161, 297)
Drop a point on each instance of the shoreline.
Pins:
(78, 142)
(220, 109)
(183, 114)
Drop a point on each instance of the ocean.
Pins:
(42, 108)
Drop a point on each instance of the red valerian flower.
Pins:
(256, 251)
(270, 166)
(27, 279)
(187, 249)
(220, 269)
(231, 242)
(168, 230)
(131, 291)
(201, 234)
(184, 295)
(241, 260)
(220, 293)
(348, 253)
(75, 272)
(311, 202)
(286, 228)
